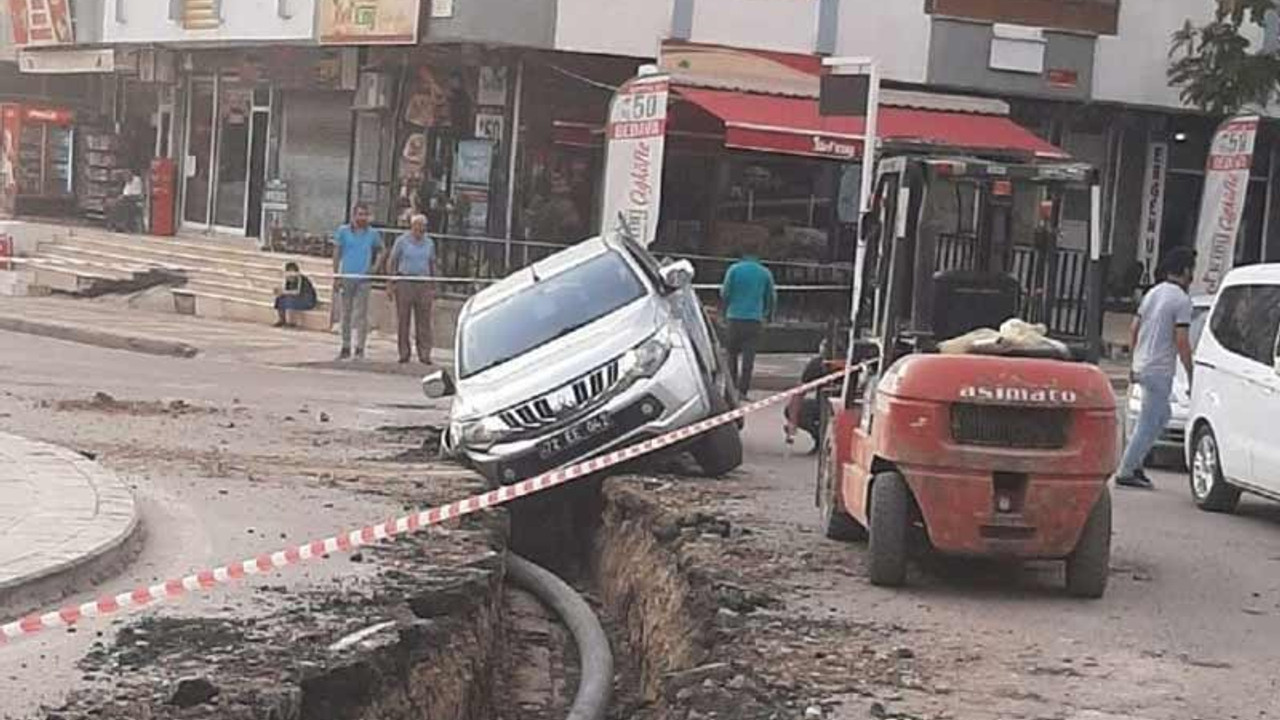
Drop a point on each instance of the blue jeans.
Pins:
(1152, 418)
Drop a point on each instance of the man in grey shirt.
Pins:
(1160, 337)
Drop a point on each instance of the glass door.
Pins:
(198, 186)
(234, 109)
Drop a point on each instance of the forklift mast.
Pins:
(955, 244)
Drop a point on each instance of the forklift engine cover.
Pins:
(1002, 454)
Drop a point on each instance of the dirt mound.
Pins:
(106, 403)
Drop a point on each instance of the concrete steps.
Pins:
(226, 278)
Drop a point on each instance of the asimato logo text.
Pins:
(1034, 396)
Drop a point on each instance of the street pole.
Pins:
(514, 145)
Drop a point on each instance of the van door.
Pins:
(1220, 385)
(1263, 406)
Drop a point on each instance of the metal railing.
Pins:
(1054, 287)
(809, 292)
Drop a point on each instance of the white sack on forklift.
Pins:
(1014, 337)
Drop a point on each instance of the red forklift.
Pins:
(999, 450)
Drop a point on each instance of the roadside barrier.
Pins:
(202, 580)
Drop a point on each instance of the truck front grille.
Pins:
(1011, 427)
(548, 409)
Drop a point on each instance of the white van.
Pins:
(1235, 398)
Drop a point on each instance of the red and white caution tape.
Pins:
(370, 534)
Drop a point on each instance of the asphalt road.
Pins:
(265, 457)
(1187, 629)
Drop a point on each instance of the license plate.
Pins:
(575, 435)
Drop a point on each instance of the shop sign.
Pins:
(1226, 185)
(369, 22)
(493, 87)
(61, 62)
(489, 126)
(637, 134)
(1153, 188)
(473, 163)
(843, 149)
(275, 196)
(1063, 78)
(40, 22)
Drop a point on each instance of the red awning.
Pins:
(792, 125)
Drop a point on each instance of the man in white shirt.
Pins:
(1160, 337)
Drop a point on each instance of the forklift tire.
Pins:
(1089, 565)
(836, 523)
(890, 529)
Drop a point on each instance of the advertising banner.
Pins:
(637, 135)
(40, 22)
(369, 22)
(1226, 185)
(1153, 188)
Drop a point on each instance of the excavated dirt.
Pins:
(704, 608)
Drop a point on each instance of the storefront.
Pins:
(276, 117)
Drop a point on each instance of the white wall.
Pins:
(148, 21)
(633, 28)
(786, 25)
(1131, 66)
(896, 32)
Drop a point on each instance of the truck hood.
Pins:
(558, 362)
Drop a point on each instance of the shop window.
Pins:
(783, 206)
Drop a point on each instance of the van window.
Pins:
(1246, 319)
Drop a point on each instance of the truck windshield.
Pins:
(551, 308)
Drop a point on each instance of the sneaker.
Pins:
(345, 354)
(1137, 480)
(280, 324)
(403, 360)
(360, 354)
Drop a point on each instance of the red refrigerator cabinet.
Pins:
(35, 158)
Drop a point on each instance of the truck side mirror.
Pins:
(438, 384)
(677, 275)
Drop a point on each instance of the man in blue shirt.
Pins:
(413, 256)
(749, 299)
(356, 248)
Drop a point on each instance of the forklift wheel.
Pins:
(1089, 566)
(836, 523)
(890, 529)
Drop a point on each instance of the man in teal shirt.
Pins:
(356, 248)
(749, 299)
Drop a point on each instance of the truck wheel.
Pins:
(1089, 565)
(836, 523)
(1209, 488)
(890, 529)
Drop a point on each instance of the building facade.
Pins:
(278, 114)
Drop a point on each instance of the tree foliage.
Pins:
(1214, 65)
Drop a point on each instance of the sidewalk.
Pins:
(109, 322)
(63, 519)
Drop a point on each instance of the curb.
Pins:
(85, 336)
(61, 578)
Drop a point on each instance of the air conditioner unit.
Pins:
(372, 91)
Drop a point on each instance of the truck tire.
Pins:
(890, 529)
(1089, 566)
(719, 452)
(1209, 489)
(836, 523)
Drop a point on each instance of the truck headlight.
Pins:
(483, 433)
(645, 359)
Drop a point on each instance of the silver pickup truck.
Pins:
(594, 348)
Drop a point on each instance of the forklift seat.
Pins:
(966, 300)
